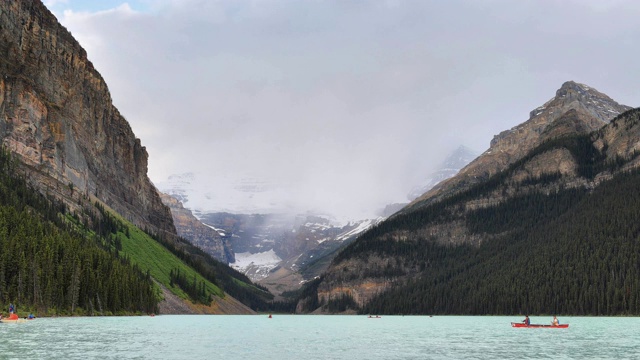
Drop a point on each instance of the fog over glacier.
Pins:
(340, 106)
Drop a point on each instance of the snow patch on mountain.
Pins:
(361, 227)
(257, 266)
(237, 195)
(220, 232)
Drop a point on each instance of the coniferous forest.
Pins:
(57, 262)
(571, 251)
(584, 260)
(48, 266)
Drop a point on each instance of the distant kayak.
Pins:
(13, 318)
(521, 325)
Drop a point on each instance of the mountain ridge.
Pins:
(592, 107)
(564, 161)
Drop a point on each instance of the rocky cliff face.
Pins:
(576, 108)
(56, 114)
(264, 242)
(189, 227)
(621, 138)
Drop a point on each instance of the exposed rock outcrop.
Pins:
(171, 304)
(576, 109)
(621, 137)
(56, 114)
(199, 234)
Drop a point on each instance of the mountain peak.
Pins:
(595, 109)
(572, 85)
(576, 108)
(573, 95)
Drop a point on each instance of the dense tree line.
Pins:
(583, 261)
(589, 159)
(569, 251)
(54, 271)
(341, 303)
(196, 290)
(308, 296)
(49, 266)
(93, 233)
(228, 279)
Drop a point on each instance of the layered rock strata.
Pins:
(575, 109)
(205, 237)
(56, 114)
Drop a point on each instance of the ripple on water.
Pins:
(317, 337)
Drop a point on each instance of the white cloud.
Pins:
(348, 103)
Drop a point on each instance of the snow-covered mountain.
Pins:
(256, 266)
(224, 193)
(251, 217)
(254, 218)
(264, 242)
(449, 168)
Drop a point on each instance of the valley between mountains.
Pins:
(543, 221)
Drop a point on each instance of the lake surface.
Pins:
(318, 337)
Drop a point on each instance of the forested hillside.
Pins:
(48, 266)
(76, 249)
(562, 242)
(573, 252)
(91, 261)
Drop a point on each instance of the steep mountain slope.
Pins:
(51, 265)
(579, 257)
(93, 262)
(207, 238)
(279, 251)
(74, 147)
(592, 109)
(265, 242)
(471, 239)
(57, 116)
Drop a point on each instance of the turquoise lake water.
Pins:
(318, 337)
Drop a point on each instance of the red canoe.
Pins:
(521, 325)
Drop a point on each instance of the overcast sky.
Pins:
(343, 105)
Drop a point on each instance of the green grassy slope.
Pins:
(150, 256)
(160, 257)
(51, 263)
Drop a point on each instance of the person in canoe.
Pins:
(526, 320)
(11, 308)
(555, 321)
